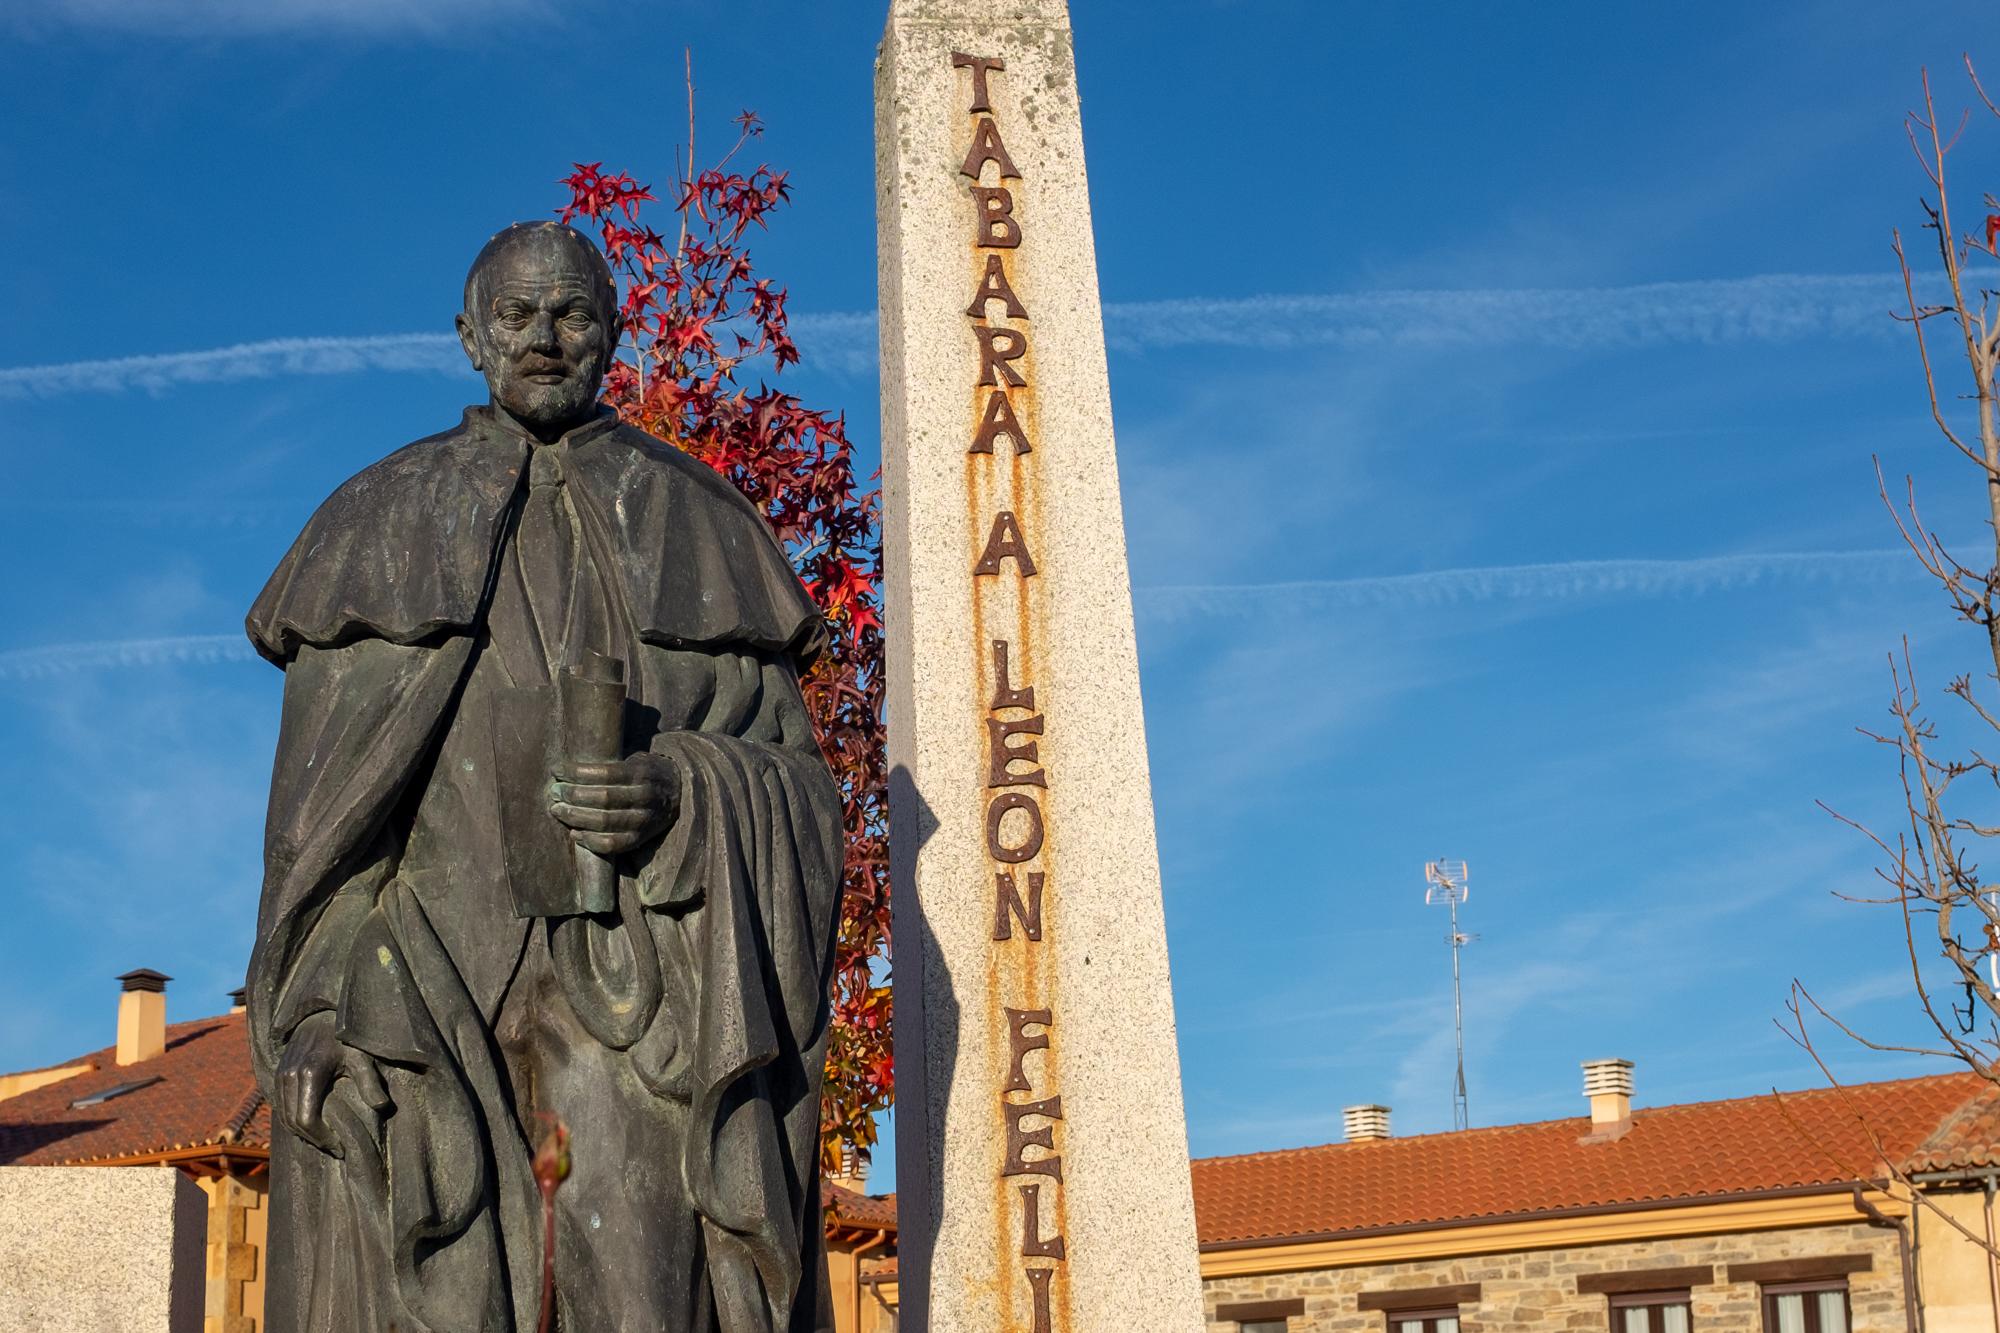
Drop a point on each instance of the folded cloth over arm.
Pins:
(750, 873)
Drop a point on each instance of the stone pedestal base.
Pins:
(101, 1250)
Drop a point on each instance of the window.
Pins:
(1264, 1326)
(1806, 1307)
(1424, 1321)
(1650, 1312)
(1419, 1310)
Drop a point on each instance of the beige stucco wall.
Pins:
(1956, 1274)
(13, 1085)
(1535, 1291)
(857, 1304)
(843, 1272)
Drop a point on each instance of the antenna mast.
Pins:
(1447, 885)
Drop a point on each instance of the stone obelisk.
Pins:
(1041, 1159)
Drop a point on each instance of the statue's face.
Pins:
(538, 334)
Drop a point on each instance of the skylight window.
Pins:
(99, 1098)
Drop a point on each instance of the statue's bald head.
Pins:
(540, 322)
(539, 246)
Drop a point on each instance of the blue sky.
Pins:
(1496, 388)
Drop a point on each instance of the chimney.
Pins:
(142, 1015)
(853, 1170)
(239, 1000)
(1608, 1084)
(1365, 1122)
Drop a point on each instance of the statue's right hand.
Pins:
(313, 1059)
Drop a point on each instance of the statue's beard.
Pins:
(545, 406)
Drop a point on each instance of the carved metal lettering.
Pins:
(978, 65)
(1029, 846)
(1004, 693)
(1005, 542)
(1002, 752)
(1013, 755)
(1020, 1140)
(998, 229)
(993, 286)
(999, 348)
(986, 147)
(1020, 1041)
(999, 420)
(1008, 907)
(1034, 1245)
(1038, 1282)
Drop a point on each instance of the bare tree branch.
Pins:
(1891, 1170)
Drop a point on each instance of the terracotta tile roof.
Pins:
(1965, 1140)
(847, 1207)
(205, 1095)
(1702, 1150)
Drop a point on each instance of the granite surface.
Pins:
(100, 1250)
(1122, 1204)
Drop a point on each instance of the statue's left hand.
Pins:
(616, 807)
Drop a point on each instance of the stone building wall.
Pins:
(1536, 1291)
(237, 1221)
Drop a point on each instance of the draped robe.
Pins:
(681, 1036)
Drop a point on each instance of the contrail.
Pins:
(1774, 307)
(1445, 587)
(842, 341)
(230, 18)
(62, 659)
(429, 352)
(1765, 308)
(1567, 580)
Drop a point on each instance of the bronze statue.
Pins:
(549, 836)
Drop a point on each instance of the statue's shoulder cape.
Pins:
(403, 550)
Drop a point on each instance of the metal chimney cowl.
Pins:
(1608, 1084)
(142, 1016)
(1369, 1121)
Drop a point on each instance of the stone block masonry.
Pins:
(1536, 1291)
(1041, 1147)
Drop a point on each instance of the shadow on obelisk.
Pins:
(927, 1009)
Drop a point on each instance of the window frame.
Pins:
(1769, 1292)
(1426, 1317)
(1243, 1314)
(1649, 1301)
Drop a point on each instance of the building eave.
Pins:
(227, 1159)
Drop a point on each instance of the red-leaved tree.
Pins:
(697, 322)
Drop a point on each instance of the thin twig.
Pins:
(680, 247)
(1895, 1172)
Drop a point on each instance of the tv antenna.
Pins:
(1447, 885)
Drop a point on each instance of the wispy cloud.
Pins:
(1772, 307)
(1573, 579)
(62, 659)
(206, 18)
(843, 342)
(1542, 582)
(434, 353)
(1765, 308)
